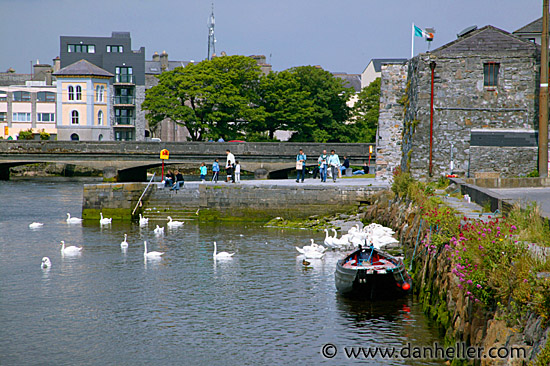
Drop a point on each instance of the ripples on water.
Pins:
(106, 307)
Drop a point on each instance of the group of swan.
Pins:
(373, 234)
(312, 251)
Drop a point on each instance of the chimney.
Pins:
(56, 64)
(164, 61)
(49, 77)
(40, 71)
(156, 56)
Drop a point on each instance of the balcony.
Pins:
(125, 121)
(124, 100)
(124, 79)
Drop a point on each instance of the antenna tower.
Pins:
(211, 37)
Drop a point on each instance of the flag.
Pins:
(419, 32)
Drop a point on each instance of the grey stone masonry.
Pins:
(463, 101)
(390, 121)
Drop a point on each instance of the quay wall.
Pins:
(221, 202)
(442, 299)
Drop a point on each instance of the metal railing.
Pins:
(145, 190)
(128, 121)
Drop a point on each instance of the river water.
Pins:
(107, 307)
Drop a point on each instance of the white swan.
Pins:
(221, 255)
(312, 247)
(313, 254)
(174, 223)
(124, 244)
(159, 230)
(151, 255)
(104, 221)
(46, 263)
(71, 250)
(73, 220)
(328, 239)
(143, 221)
(36, 225)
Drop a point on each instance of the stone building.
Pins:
(484, 108)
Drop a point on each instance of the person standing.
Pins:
(215, 171)
(204, 171)
(322, 160)
(237, 171)
(334, 162)
(300, 165)
(230, 163)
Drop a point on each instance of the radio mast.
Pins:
(211, 37)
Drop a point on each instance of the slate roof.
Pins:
(534, 27)
(489, 39)
(351, 80)
(83, 68)
(153, 67)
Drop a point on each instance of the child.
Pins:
(237, 172)
(204, 171)
(215, 171)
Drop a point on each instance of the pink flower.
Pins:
(478, 285)
(525, 280)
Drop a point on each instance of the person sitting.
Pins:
(178, 183)
(169, 179)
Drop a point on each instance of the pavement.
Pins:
(540, 195)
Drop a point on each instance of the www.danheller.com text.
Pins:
(459, 350)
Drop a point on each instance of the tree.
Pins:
(284, 104)
(212, 98)
(366, 111)
(330, 112)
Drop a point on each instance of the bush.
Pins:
(44, 135)
(25, 135)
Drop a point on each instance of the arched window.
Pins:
(78, 92)
(100, 118)
(99, 91)
(74, 117)
(74, 137)
(70, 90)
(100, 138)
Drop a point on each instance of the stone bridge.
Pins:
(129, 161)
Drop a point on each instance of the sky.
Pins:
(338, 35)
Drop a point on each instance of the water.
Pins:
(106, 307)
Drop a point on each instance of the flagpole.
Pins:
(412, 40)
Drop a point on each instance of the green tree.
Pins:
(212, 98)
(327, 122)
(366, 111)
(284, 104)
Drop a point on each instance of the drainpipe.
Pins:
(430, 167)
(543, 98)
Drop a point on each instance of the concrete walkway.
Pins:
(525, 195)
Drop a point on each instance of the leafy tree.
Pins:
(211, 99)
(366, 111)
(284, 103)
(330, 112)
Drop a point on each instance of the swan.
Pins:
(46, 263)
(174, 223)
(71, 250)
(73, 220)
(104, 221)
(124, 244)
(143, 221)
(328, 239)
(221, 255)
(312, 247)
(342, 241)
(313, 254)
(159, 230)
(36, 225)
(151, 255)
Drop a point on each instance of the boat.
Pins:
(371, 273)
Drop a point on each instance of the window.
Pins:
(74, 137)
(21, 96)
(21, 117)
(3, 116)
(124, 135)
(78, 92)
(100, 118)
(70, 90)
(99, 92)
(74, 117)
(100, 137)
(490, 74)
(118, 49)
(45, 117)
(124, 74)
(81, 48)
(124, 96)
(45, 97)
(3, 96)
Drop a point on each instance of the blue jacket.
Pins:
(301, 157)
(333, 160)
(215, 167)
(203, 170)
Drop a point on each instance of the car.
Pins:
(155, 139)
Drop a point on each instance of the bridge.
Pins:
(129, 161)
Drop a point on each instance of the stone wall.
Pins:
(463, 103)
(390, 121)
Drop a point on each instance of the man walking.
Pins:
(230, 163)
(300, 165)
(334, 162)
(322, 160)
